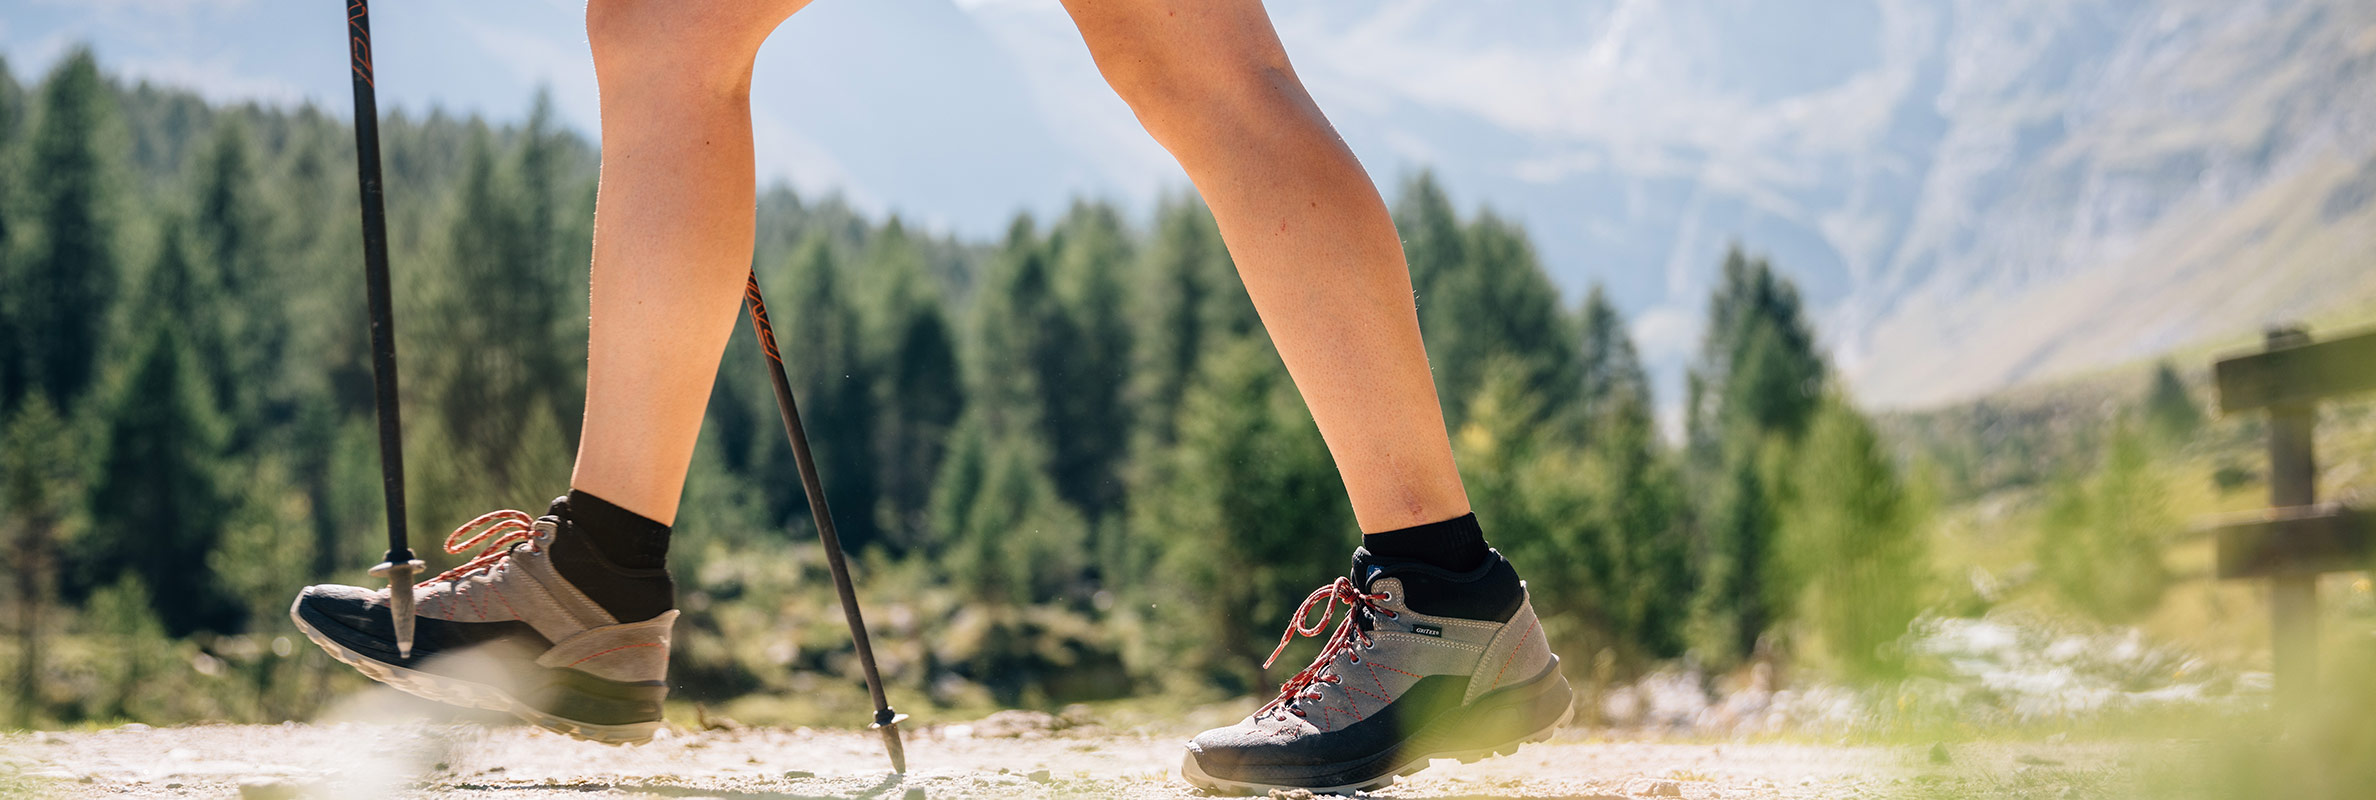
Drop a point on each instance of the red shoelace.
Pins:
(498, 530)
(1302, 686)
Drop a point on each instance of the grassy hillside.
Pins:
(1999, 461)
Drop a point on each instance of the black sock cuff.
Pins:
(622, 537)
(1456, 544)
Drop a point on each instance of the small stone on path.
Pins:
(1039, 775)
(1653, 787)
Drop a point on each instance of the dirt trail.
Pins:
(948, 761)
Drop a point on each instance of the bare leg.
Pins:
(1311, 238)
(673, 231)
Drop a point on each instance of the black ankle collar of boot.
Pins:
(628, 593)
(1491, 592)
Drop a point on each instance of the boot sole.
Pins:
(471, 694)
(1557, 691)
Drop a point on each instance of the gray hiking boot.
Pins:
(1427, 664)
(510, 631)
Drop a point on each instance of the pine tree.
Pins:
(494, 310)
(1005, 535)
(159, 504)
(819, 332)
(919, 390)
(1249, 511)
(1732, 605)
(1758, 370)
(1851, 543)
(1610, 371)
(2169, 408)
(62, 290)
(1483, 295)
(1754, 387)
(1433, 241)
(12, 115)
(1189, 298)
(1090, 415)
(2099, 544)
(39, 481)
(233, 281)
(556, 229)
(1638, 525)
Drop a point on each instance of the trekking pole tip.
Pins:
(887, 721)
(399, 569)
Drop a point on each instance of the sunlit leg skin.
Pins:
(564, 620)
(1320, 257)
(1311, 237)
(673, 229)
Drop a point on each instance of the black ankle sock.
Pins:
(618, 558)
(623, 537)
(1455, 544)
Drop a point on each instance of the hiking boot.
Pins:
(515, 630)
(1428, 663)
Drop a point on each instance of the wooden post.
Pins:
(2293, 599)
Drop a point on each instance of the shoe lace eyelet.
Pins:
(1300, 713)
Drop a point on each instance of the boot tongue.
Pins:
(1366, 568)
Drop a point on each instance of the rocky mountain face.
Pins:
(1976, 193)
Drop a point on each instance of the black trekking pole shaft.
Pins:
(885, 719)
(399, 566)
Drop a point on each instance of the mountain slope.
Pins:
(1975, 194)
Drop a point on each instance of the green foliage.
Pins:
(1069, 463)
(819, 330)
(1482, 296)
(160, 500)
(1758, 371)
(2169, 409)
(1091, 249)
(123, 615)
(230, 283)
(61, 285)
(1751, 392)
(1007, 537)
(1188, 300)
(1851, 544)
(920, 387)
(39, 484)
(1644, 556)
(2099, 545)
(1248, 510)
(1733, 603)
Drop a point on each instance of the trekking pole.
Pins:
(885, 719)
(399, 566)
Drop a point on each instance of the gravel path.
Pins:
(469, 760)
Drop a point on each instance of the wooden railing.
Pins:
(2297, 538)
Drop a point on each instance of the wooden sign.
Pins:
(2297, 373)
